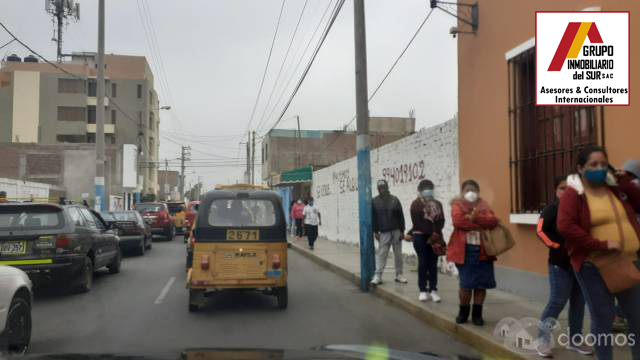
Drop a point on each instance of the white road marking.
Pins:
(165, 290)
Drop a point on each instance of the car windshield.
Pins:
(107, 216)
(143, 208)
(242, 212)
(14, 218)
(125, 216)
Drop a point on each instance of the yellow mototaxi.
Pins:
(238, 243)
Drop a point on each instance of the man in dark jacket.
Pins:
(388, 229)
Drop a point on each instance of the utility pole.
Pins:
(247, 176)
(298, 143)
(253, 159)
(367, 258)
(184, 156)
(166, 184)
(101, 204)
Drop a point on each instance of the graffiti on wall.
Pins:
(405, 173)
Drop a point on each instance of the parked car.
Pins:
(134, 233)
(16, 295)
(57, 242)
(178, 213)
(159, 219)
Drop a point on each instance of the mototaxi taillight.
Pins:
(275, 262)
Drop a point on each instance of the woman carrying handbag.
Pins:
(596, 217)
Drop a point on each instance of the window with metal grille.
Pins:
(71, 86)
(113, 116)
(114, 90)
(71, 113)
(544, 141)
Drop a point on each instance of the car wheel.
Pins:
(282, 295)
(114, 267)
(142, 247)
(18, 331)
(87, 276)
(193, 305)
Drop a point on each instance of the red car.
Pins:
(159, 219)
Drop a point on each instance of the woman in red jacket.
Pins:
(298, 216)
(597, 219)
(470, 214)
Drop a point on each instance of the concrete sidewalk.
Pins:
(344, 259)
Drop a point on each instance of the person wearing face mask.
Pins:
(297, 214)
(312, 220)
(470, 215)
(562, 280)
(388, 229)
(597, 218)
(428, 220)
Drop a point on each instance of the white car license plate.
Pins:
(13, 247)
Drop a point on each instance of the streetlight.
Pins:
(166, 107)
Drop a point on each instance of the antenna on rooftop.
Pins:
(61, 11)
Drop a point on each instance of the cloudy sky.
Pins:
(214, 52)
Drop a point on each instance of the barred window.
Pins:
(71, 113)
(543, 140)
(71, 86)
(91, 114)
(113, 116)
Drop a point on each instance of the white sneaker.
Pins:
(401, 279)
(377, 280)
(424, 296)
(582, 350)
(435, 297)
(544, 351)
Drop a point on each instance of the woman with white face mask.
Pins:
(428, 220)
(470, 215)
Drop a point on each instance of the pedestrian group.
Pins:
(592, 230)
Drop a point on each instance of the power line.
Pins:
(7, 44)
(284, 61)
(313, 57)
(264, 74)
(393, 66)
(284, 89)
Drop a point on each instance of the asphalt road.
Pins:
(144, 310)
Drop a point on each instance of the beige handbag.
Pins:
(497, 240)
(618, 270)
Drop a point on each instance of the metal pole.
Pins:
(253, 159)
(166, 173)
(182, 173)
(247, 177)
(101, 204)
(59, 12)
(298, 143)
(367, 258)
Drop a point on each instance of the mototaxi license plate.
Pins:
(243, 235)
(13, 248)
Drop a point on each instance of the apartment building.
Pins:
(42, 104)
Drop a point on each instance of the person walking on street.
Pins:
(297, 214)
(311, 222)
(428, 220)
(563, 284)
(597, 218)
(470, 215)
(388, 229)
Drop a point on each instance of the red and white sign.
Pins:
(582, 58)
